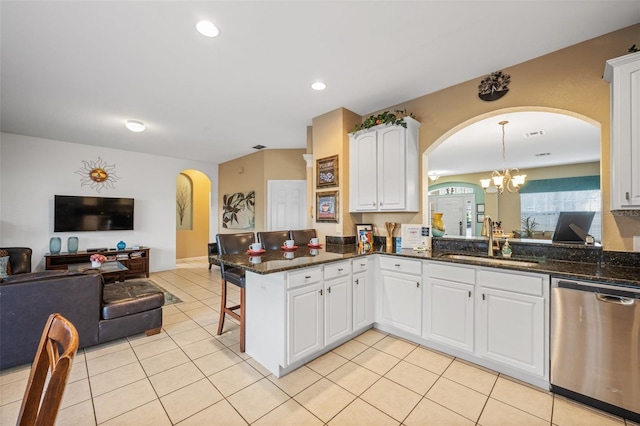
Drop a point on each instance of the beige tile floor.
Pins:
(187, 375)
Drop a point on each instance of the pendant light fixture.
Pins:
(507, 179)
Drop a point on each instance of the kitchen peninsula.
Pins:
(495, 315)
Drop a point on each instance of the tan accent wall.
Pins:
(251, 173)
(566, 81)
(330, 137)
(193, 243)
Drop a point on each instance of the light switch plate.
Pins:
(636, 243)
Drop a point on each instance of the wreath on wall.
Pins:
(494, 86)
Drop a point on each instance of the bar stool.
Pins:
(233, 244)
(302, 236)
(272, 240)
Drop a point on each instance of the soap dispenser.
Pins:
(506, 249)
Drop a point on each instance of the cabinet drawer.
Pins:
(337, 269)
(359, 265)
(393, 263)
(136, 265)
(525, 284)
(303, 277)
(459, 274)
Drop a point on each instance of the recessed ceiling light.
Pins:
(135, 125)
(318, 85)
(207, 29)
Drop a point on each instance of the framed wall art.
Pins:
(327, 172)
(327, 206)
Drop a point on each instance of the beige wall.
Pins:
(251, 173)
(193, 243)
(566, 81)
(330, 137)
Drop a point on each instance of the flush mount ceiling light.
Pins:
(207, 29)
(505, 179)
(135, 125)
(318, 85)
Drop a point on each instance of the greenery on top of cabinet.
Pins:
(395, 118)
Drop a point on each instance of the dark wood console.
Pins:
(136, 260)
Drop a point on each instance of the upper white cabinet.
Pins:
(383, 168)
(624, 75)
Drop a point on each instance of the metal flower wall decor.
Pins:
(97, 174)
(494, 86)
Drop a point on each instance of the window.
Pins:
(545, 207)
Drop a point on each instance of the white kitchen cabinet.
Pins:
(512, 320)
(305, 321)
(449, 305)
(383, 168)
(362, 286)
(338, 304)
(623, 74)
(400, 294)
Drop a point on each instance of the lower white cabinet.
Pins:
(338, 305)
(362, 286)
(513, 320)
(400, 294)
(449, 305)
(305, 321)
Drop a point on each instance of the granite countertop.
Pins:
(277, 261)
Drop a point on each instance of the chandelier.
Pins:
(508, 179)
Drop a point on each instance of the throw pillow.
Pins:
(4, 253)
(3, 266)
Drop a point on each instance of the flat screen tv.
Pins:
(567, 222)
(76, 214)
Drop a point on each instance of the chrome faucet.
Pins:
(487, 231)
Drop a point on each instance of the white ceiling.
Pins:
(74, 71)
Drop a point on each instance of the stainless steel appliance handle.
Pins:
(618, 300)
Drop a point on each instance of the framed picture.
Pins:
(480, 217)
(327, 206)
(480, 208)
(327, 172)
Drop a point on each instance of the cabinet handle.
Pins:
(417, 285)
(363, 264)
(357, 281)
(340, 269)
(626, 195)
(306, 277)
(320, 292)
(469, 293)
(329, 290)
(483, 297)
(397, 265)
(373, 204)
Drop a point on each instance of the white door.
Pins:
(286, 204)
(454, 209)
(401, 301)
(337, 308)
(304, 323)
(449, 313)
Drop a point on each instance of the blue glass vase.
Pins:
(72, 244)
(121, 245)
(55, 245)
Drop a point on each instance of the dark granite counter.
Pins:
(582, 263)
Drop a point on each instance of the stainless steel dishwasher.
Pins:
(595, 344)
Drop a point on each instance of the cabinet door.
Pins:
(511, 329)
(362, 300)
(625, 133)
(363, 173)
(304, 321)
(391, 168)
(401, 301)
(338, 309)
(449, 313)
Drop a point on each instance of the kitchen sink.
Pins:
(490, 260)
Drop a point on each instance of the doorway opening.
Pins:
(193, 210)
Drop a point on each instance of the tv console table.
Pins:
(135, 260)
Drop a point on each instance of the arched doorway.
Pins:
(193, 195)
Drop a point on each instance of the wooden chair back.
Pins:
(39, 405)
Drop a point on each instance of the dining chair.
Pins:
(233, 244)
(49, 373)
(302, 236)
(272, 240)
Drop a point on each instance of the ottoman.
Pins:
(128, 308)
